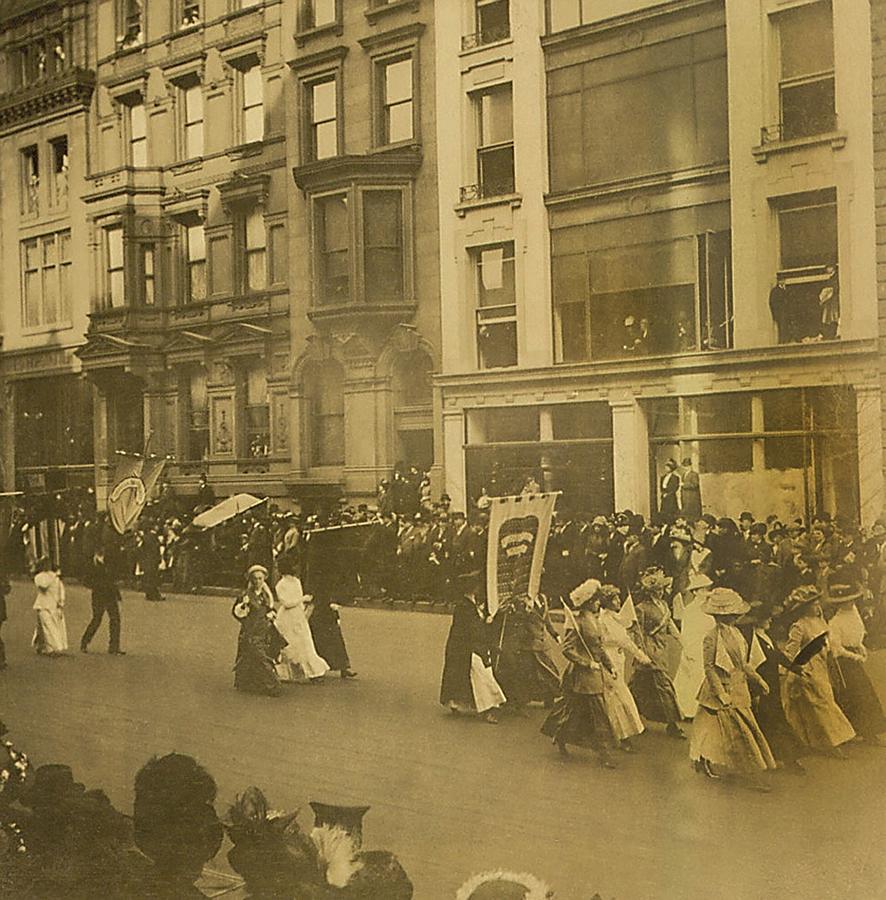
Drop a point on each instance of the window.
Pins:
(198, 414)
(255, 245)
(397, 122)
(806, 82)
(496, 306)
(318, 13)
(30, 163)
(195, 239)
(258, 411)
(137, 133)
(279, 249)
(332, 225)
(114, 288)
(190, 13)
(60, 166)
(495, 146)
(131, 23)
(807, 226)
(324, 118)
(324, 391)
(192, 95)
(148, 281)
(492, 20)
(253, 104)
(46, 281)
(249, 4)
(675, 86)
(383, 246)
(563, 14)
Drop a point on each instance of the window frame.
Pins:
(185, 87)
(30, 180)
(308, 83)
(191, 263)
(479, 33)
(129, 103)
(253, 212)
(60, 265)
(307, 23)
(382, 105)
(792, 203)
(130, 16)
(182, 19)
(493, 314)
(113, 274)
(484, 150)
(59, 197)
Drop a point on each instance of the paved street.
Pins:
(449, 796)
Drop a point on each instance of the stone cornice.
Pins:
(339, 170)
(71, 90)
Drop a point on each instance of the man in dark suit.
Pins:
(105, 599)
(150, 563)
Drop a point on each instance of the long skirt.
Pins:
(654, 692)
(812, 712)
(856, 696)
(328, 639)
(579, 719)
(51, 633)
(769, 712)
(254, 670)
(621, 709)
(730, 739)
(299, 656)
(527, 675)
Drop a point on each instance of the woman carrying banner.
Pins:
(579, 716)
(468, 685)
(259, 643)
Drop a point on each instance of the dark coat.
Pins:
(468, 634)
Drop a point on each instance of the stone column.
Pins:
(7, 438)
(454, 458)
(630, 456)
(870, 453)
(102, 422)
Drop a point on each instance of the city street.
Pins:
(449, 796)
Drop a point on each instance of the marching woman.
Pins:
(651, 685)
(807, 695)
(617, 644)
(853, 690)
(259, 643)
(579, 716)
(299, 656)
(468, 685)
(725, 734)
(51, 633)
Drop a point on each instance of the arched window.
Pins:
(412, 379)
(324, 392)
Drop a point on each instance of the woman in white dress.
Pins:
(695, 624)
(617, 645)
(51, 633)
(299, 654)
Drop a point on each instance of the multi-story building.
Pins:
(878, 46)
(46, 85)
(653, 254)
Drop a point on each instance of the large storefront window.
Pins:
(640, 299)
(564, 448)
(788, 452)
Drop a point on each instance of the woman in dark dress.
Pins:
(670, 485)
(259, 643)
(329, 642)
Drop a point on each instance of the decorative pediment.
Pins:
(245, 190)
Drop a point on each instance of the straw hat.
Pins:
(843, 593)
(723, 601)
(586, 591)
(500, 885)
(256, 568)
(697, 581)
(802, 596)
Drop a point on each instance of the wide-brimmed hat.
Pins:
(802, 596)
(257, 568)
(697, 581)
(500, 885)
(586, 591)
(843, 593)
(723, 601)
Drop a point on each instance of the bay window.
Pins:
(332, 226)
(114, 282)
(383, 246)
(195, 240)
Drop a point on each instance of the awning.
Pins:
(227, 509)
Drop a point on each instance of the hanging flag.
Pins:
(134, 479)
(518, 535)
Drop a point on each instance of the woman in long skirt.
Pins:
(617, 644)
(808, 696)
(468, 685)
(299, 656)
(579, 716)
(853, 690)
(725, 733)
(51, 633)
(694, 625)
(651, 685)
(259, 643)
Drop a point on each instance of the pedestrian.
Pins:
(259, 643)
(807, 695)
(51, 632)
(149, 559)
(725, 735)
(853, 690)
(694, 625)
(105, 599)
(4, 590)
(325, 625)
(651, 685)
(690, 493)
(668, 507)
(579, 715)
(299, 656)
(468, 686)
(620, 704)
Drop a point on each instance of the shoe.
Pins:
(84, 649)
(117, 652)
(627, 747)
(490, 718)
(348, 673)
(564, 750)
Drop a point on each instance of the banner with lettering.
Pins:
(518, 535)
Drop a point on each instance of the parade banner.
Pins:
(518, 535)
(134, 479)
(332, 559)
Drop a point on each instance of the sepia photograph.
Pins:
(442, 449)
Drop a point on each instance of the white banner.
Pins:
(518, 535)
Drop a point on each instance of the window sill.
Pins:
(309, 34)
(837, 140)
(194, 164)
(515, 201)
(375, 13)
(479, 48)
(244, 151)
(46, 329)
(360, 310)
